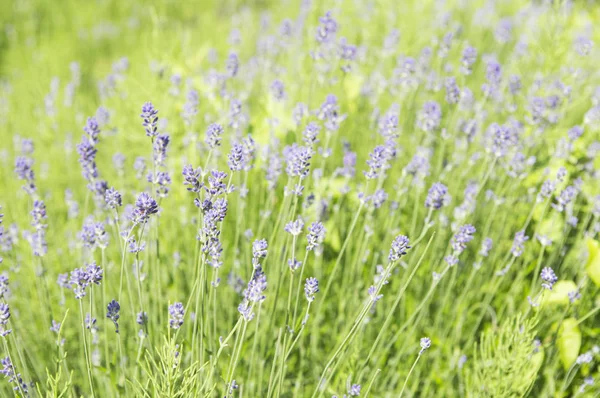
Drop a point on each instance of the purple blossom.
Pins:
(297, 158)
(566, 196)
(311, 288)
(548, 277)
(425, 343)
(327, 28)
(93, 235)
(149, 117)
(462, 237)
(452, 91)
(235, 159)
(429, 117)
(518, 243)
(4, 316)
(176, 313)
(81, 278)
(437, 196)
(145, 206)
(192, 178)
(294, 227)
(259, 250)
(316, 234)
(233, 64)
(278, 90)
(354, 390)
(161, 142)
(486, 246)
(141, 318)
(400, 246)
(112, 197)
(112, 313)
(310, 133)
(469, 56)
(294, 264)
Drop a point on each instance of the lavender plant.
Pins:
(300, 199)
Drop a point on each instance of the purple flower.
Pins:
(354, 390)
(216, 183)
(235, 159)
(575, 132)
(548, 277)
(486, 246)
(469, 56)
(297, 159)
(112, 197)
(547, 189)
(379, 160)
(310, 133)
(294, 264)
(24, 171)
(379, 198)
(311, 287)
(149, 119)
(8, 371)
(213, 135)
(503, 137)
(583, 45)
(4, 316)
(316, 234)
(429, 117)
(259, 250)
(294, 227)
(437, 196)
(161, 142)
(191, 178)
(145, 206)
(87, 158)
(254, 293)
(93, 235)
(4, 288)
(518, 243)
(81, 278)
(399, 248)
(278, 90)
(452, 91)
(425, 343)
(142, 318)
(565, 197)
(233, 64)
(176, 313)
(92, 129)
(55, 327)
(327, 28)
(112, 313)
(462, 237)
(388, 124)
(245, 309)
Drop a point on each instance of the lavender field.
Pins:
(299, 198)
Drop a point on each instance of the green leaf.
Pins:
(559, 295)
(569, 342)
(593, 262)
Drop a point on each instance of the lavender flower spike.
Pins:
(549, 278)
(399, 247)
(176, 313)
(112, 313)
(437, 196)
(145, 206)
(150, 119)
(311, 287)
(425, 344)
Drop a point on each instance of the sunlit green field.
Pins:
(299, 198)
